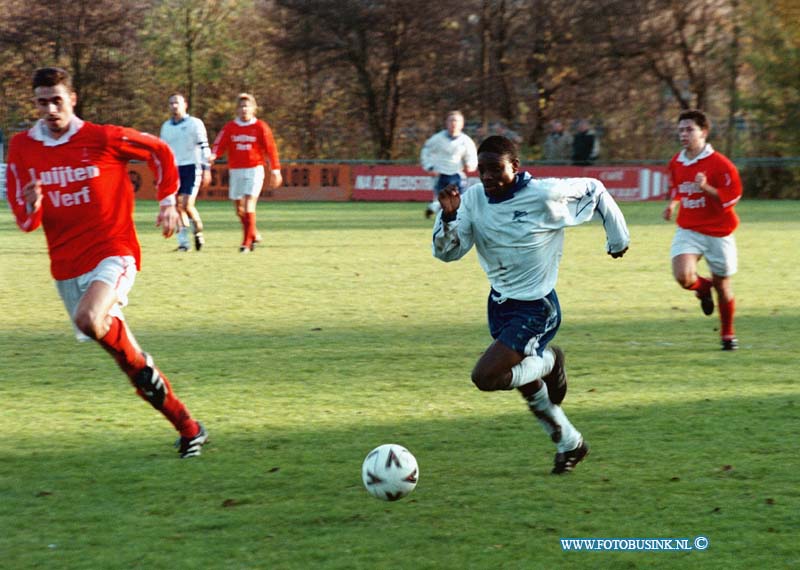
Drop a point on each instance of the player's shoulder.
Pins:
(720, 158)
(22, 137)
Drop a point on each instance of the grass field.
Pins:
(343, 333)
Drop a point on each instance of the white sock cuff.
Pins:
(532, 368)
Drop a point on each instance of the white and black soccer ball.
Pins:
(390, 472)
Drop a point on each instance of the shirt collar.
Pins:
(523, 178)
(39, 132)
(182, 119)
(242, 123)
(707, 151)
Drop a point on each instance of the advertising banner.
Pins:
(301, 182)
(411, 183)
(338, 182)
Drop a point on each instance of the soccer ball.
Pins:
(390, 472)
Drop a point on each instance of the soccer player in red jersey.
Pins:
(71, 177)
(707, 186)
(250, 146)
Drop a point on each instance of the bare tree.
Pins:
(94, 39)
(376, 44)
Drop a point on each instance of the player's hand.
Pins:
(700, 179)
(275, 179)
(667, 215)
(449, 199)
(167, 220)
(32, 194)
(616, 254)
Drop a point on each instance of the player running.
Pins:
(186, 136)
(250, 145)
(517, 225)
(71, 177)
(706, 184)
(446, 155)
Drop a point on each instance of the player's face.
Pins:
(245, 110)
(177, 106)
(692, 137)
(455, 124)
(55, 106)
(497, 172)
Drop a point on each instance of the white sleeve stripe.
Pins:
(731, 202)
(18, 190)
(160, 172)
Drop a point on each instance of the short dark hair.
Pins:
(50, 77)
(696, 115)
(499, 145)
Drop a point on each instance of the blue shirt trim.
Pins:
(523, 178)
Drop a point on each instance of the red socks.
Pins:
(132, 360)
(249, 226)
(701, 287)
(726, 311)
(117, 343)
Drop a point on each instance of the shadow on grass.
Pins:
(262, 495)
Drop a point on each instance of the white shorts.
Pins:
(245, 182)
(118, 272)
(720, 252)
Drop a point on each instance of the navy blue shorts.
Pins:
(190, 179)
(447, 179)
(525, 326)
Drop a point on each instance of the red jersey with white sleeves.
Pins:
(87, 197)
(247, 144)
(699, 211)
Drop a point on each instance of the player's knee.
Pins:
(484, 381)
(685, 280)
(91, 323)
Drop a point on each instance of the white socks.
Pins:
(183, 238)
(532, 368)
(554, 421)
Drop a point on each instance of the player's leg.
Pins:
(722, 258)
(250, 201)
(237, 182)
(191, 209)
(687, 249)
(182, 234)
(520, 358)
(98, 316)
(196, 221)
(186, 175)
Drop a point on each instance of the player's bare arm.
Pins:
(450, 199)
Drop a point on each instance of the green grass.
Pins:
(343, 333)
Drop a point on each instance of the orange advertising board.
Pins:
(338, 182)
(301, 182)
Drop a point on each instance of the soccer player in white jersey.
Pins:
(187, 137)
(447, 155)
(517, 223)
